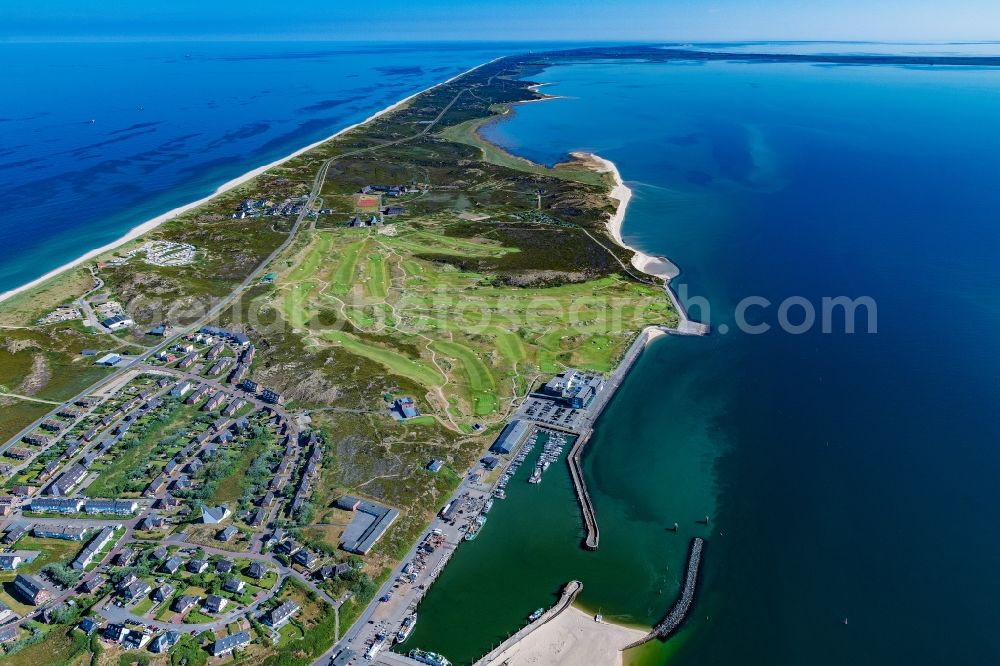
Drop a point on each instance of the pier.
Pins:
(497, 654)
(684, 324)
(678, 613)
(593, 538)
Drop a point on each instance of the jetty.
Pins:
(593, 538)
(684, 324)
(496, 655)
(679, 612)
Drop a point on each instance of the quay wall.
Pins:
(592, 539)
(569, 593)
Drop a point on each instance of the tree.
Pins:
(61, 574)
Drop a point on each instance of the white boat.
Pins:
(406, 628)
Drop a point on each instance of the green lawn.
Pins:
(419, 371)
(343, 276)
(319, 249)
(377, 286)
(482, 385)
(143, 606)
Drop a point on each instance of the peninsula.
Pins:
(273, 390)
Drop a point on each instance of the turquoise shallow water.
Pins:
(848, 476)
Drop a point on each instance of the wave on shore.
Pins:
(151, 224)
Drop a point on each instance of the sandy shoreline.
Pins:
(660, 267)
(151, 224)
(571, 638)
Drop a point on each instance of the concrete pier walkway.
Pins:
(593, 538)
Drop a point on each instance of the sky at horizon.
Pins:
(505, 20)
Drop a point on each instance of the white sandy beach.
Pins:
(660, 267)
(149, 225)
(570, 639)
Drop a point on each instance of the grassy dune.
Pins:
(419, 371)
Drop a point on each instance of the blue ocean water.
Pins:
(852, 476)
(97, 138)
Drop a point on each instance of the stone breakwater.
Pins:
(679, 612)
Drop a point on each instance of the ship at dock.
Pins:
(431, 658)
(406, 628)
(475, 527)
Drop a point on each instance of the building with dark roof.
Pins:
(56, 505)
(280, 615)
(215, 604)
(512, 435)
(370, 522)
(227, 644)
(164, 642)
(62, 486)
(30, 589)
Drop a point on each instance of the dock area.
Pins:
(498, 655)
(593, 536)
(678, 613)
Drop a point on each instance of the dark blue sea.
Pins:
(98, 138)
(851, 479)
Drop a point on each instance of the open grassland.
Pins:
(473, 343)
(122, 471)
(59, 647)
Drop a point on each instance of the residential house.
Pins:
(227, 534)
(306, 559)
(172, 565)
(6, 614)
(234, 585)
(215, 604)
(64, 532)
(227, 644)
(214, 515)
(10, 562)
(163, 592)
(8, 634)
(279, 616)
(116, 507)
(257, 570)
(136, 590)
(92, 584)
(184, 603)
(164, 642)
(197, 566)
(30, 589)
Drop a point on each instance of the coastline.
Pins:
(660, 267)
(573, 637)
(152, 223)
